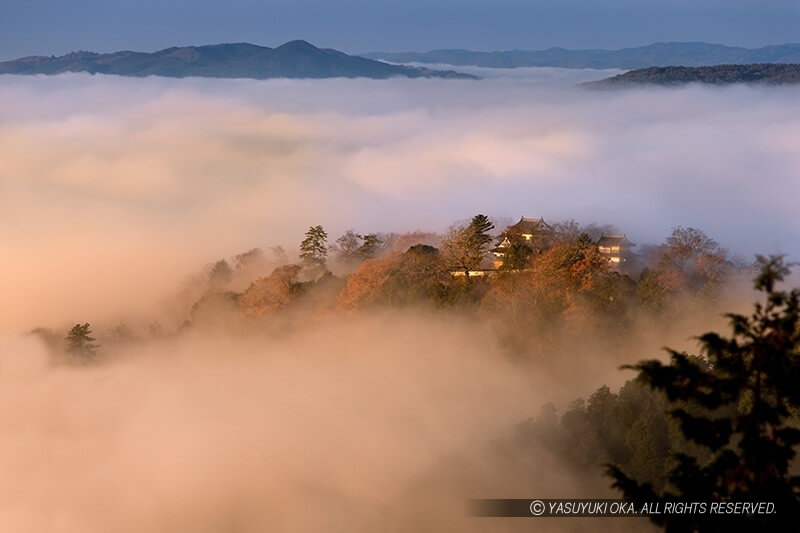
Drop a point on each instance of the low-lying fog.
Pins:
(112, 190)
(383, 423)
(553, 77)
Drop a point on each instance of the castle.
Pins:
(532, 236)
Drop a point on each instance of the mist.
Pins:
(112, 189)
(341, 427)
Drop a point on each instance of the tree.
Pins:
(517, 257)
(122, 334)
(455, 247)
(314, 249)
(699, 261)
(685, 245)
(584, 240)
(272, 292)
(216, 310)
(347, 247)
(416, 277)
(478, 237)
(80, 343)
(220, 274)
(465, 246)
(739, 403)
(248, 258)
(629, 428)
(279, 255)
(370, 246)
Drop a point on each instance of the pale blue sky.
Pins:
(57, 26)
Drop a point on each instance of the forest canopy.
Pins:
(718, 425)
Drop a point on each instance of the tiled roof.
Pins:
(614, 240)
(530, 225)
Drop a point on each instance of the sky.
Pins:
(44, 27)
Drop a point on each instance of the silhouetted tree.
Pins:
(738, 404)
(220, 274)
(696, 258)
(347, 247)
(80, 343)
(314, 249)
(584, 240)
(245, 259)
(371, 244)
(685, 245)
(279, 255)
(121, 334)
(479, 237)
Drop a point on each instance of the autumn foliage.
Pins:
(271, 292)
(417, 276)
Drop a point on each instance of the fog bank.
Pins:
(329, 430)
(112, 189)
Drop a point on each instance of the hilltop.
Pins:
(295, 59)
(768, 74)
(693, 54)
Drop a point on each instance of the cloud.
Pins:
(112, 189)
(325, 429)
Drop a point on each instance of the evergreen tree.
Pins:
(739, 404)
(314, 249)
(518, 257)
(80, 343)
(479, 237)
(584, 240)
(220, 274)
(465, 246)
(370, 246)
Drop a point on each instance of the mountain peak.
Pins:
(295, 59)
(298, 45)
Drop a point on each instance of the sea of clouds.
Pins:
(112, 189)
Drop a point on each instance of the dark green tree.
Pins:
(518, 257)
(584, 240)
(80, 343)
(220, 274)
(738, 403)
(478, 236)
(370, 246)
(314, 248)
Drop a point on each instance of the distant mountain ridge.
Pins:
(692, 54)
(766, 74)
(295, 59)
